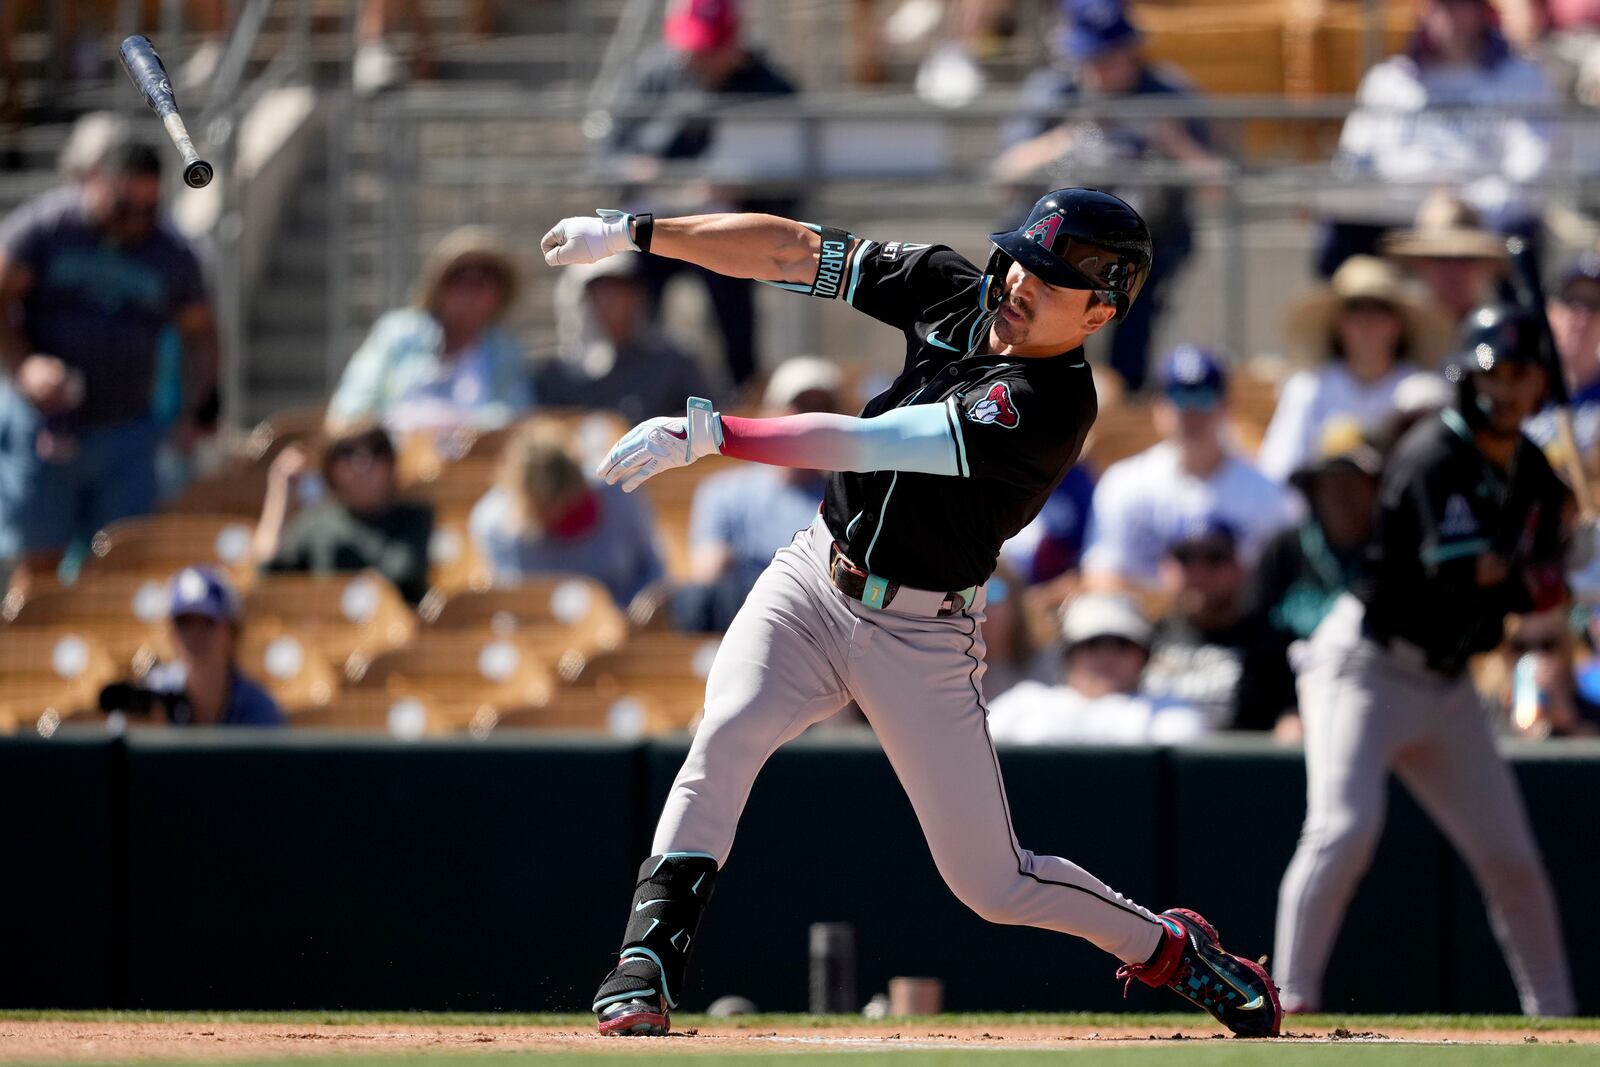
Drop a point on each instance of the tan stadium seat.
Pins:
(58, 670)
(126, 612)
(467, 676)
(1118, 434)
(277, 431)
(405, 716)
(1226, 50)
(292, 669)
(349, 618)
(238, 490)
(455, 487)
(623, 715)
(665, 669)
(555, 614)
(454, 563)
(161, 545)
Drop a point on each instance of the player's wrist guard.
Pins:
(668, 903)
(705, 429)
(616, 228)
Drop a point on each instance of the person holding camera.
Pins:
(204, 685)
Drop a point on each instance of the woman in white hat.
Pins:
(1357, 338)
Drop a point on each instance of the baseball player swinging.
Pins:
(880, 600)
(1470, 527)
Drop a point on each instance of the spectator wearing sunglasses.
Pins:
(1211, 652)
(447, 361)
(1106, 643)
(355, 519)
(1191, 474)
(1356, 339)
(203, 686)
(91, 281)
(1574, 312)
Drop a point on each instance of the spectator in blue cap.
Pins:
(1098, 55)
(1574, 312)
(1192, 472)
(1210, 652)
(204, 685)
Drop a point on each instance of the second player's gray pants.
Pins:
(1368, 710)
(797, 652)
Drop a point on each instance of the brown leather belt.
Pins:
(877, 592)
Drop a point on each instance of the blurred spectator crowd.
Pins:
(428, 550)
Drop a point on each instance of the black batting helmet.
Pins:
(1076, 239)
(1493, 334)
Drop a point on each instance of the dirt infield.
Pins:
(57, 1040)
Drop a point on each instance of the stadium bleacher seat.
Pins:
(466, 675)
(556, 614)
(663, 670)
(57, 670)
(1119, 433)
(625, 715)
(454, 563)
(406, 716)
(161, 545)
(126, 612)
(349, 618)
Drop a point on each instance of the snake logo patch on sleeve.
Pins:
(996, 406)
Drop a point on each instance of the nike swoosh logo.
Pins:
(643, 904)
(684, 436)
(933, 339)
(1249, 1005)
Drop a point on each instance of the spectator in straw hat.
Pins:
(1106, 643)
(1358, 337)
(1451, 253)
(446, 361)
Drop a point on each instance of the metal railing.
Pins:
(801, 147)
(232, 97)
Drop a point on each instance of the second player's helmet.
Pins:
(1492, 334)
(1076, 239)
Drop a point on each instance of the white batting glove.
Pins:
(660, 444)
(585, 239)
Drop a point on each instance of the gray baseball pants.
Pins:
(1368, 710)
(797, 652)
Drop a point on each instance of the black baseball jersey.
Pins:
(1441, 505)
(1018, 424)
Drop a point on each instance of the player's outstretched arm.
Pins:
(917, 439)
(761, 247)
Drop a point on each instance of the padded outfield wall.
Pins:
(236, 870)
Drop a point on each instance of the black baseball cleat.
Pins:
(630, 1002)
(1191, 962)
